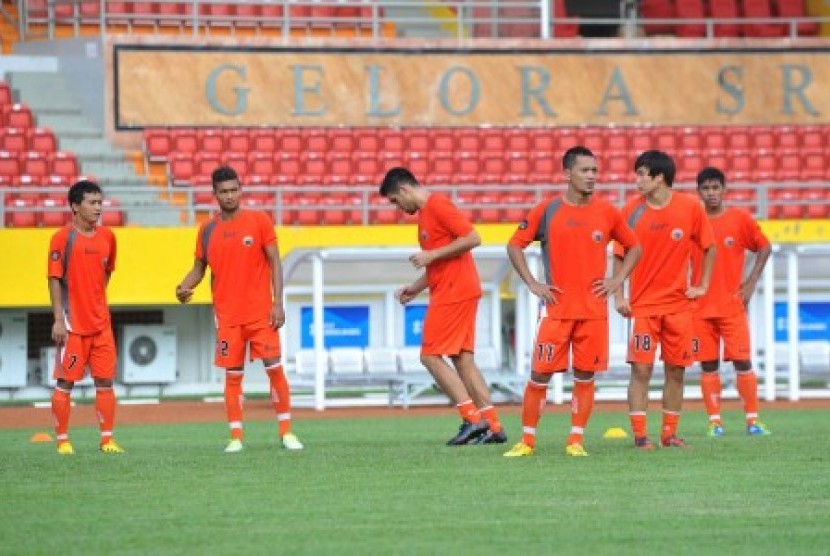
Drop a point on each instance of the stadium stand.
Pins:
(32, 166)
(491, 168)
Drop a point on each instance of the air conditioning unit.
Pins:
(13, 356)
(47, 369)
(148, 354)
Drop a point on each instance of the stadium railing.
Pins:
(362, 205)
(461, 19)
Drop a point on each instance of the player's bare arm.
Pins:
(621, 303)
(612, 285)
(59, 326)
(277, 316)
(544, 292)
(184, 291)
(407, 293)
(456, 247)
(751, 281)
(693, 292)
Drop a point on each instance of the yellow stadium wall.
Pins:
(151, 261)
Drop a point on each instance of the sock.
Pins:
(105, 410)
(468, 411)
(639, 423)
(233, 402)
(582, 403)
(748, 390)
(670, 420)
(536, 395)
(61, 407)
(280, 397)
(489, 413)
(710, 387)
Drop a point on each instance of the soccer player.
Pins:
(240, 247)
(81, 260)
(447, 239)
(574, 231)
(668, 224)
(720, 315)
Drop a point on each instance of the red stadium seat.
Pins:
(237, 140)
(5, 95)
(54, 213)
(157, 144)
(181, 168)
(657, 9)
(111, 214)
(20, 213)
(37, 165)
(347, 140)
(19, 115)
(185, 141)
(9, 164)
(561, 30)
(690, 9)
(725, 9)
(760, 9)
(65, 164)
(14, 139)
(210, 140)
(316, 141)
(264, 140)
(795, 9)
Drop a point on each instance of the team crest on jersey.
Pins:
(677, 234)
(729, 241)
(523, 225)
(424, 236)
(596, 235)
(55, 255)
(105, 261)
(247, 241)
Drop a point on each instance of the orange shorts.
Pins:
(673, 333)
(231, 342)
(733, 330)
(555, 339)
(96, 351)
(450, 329)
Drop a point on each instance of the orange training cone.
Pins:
(41, 437)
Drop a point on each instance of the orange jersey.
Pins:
(667, 235)
(83, 264)
(574, 242)
(454, 279)
(240, 274)
(735, 232)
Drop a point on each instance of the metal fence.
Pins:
(460, 19)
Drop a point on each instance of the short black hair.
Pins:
(81, 188)
(394, 179)
(657, 163)
(223, 173)
(710, 173)
(573, 153)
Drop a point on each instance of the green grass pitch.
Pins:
(390, 486)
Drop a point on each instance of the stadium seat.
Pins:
(5, 95)
(54, 213)
(19, 115)
(561, 30)
(725, 9)
(20, 213)
(381, 360)
(795, 9)
(657, 9)
(210, 140)
(111, 214)
(760, 9)
(264, 141)
(14, 139)
(690, 9)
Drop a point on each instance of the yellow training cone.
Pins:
(615, 432)
(41, 437)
